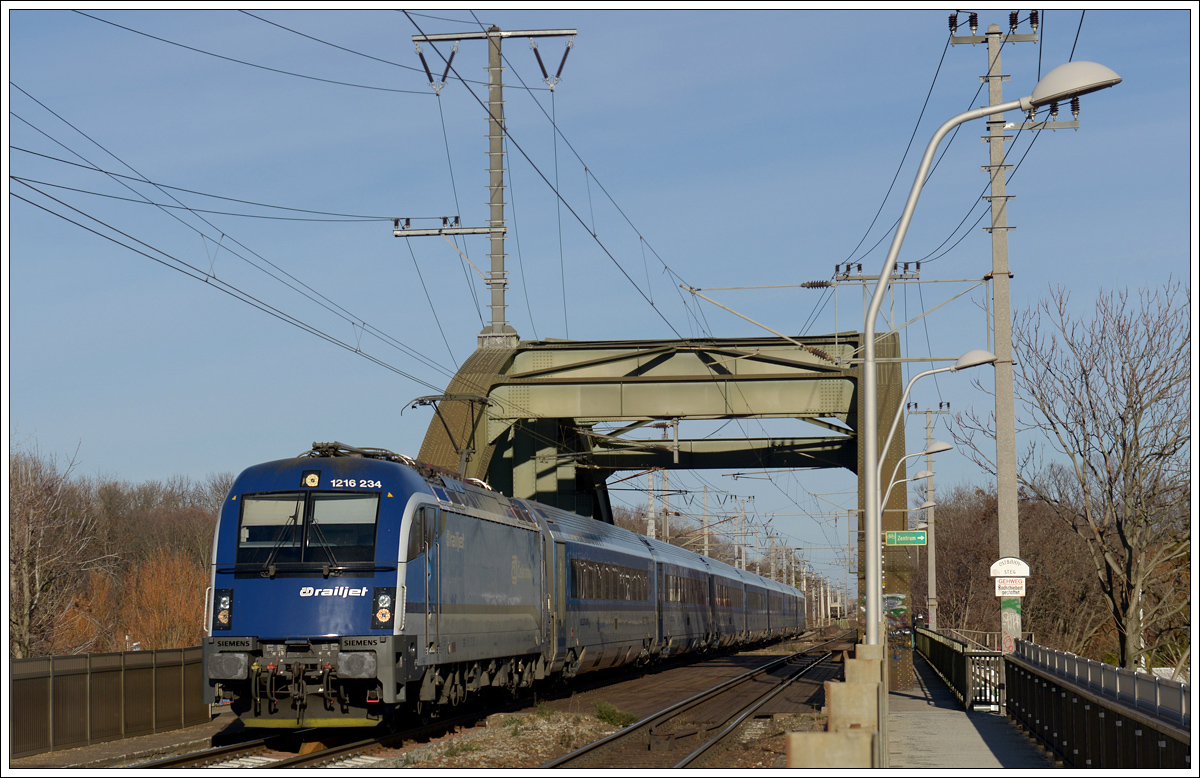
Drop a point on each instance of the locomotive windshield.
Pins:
(307, 528)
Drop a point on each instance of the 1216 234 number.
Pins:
(354, 483)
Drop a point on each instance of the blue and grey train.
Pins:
(350, 583)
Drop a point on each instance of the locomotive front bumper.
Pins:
(381, 659)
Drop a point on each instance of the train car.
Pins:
(603, 598)
(349, 583)
(728, 596)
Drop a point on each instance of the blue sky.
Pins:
(737, 149)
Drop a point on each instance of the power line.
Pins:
(360, 217)
(252, 64)
(197, 274)
(352, 220)
(555, 190)
(345, 314)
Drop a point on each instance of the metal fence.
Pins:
(990, 641)
(58, 702)
(975, 675)
(1163, 698)
(1087, 726)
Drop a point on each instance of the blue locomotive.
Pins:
(348, 583)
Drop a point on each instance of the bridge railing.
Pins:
(1088, 713)
(1096, 715)
(974, 674)
(58, 702)
(1161, 697)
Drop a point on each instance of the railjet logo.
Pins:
(337, 591)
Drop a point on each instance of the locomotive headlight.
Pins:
(383, 611)
(222, 616)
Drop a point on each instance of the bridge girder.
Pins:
(534, 436)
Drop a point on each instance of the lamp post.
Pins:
(1062, 83)
(917, 477)
(933, 448)
(973, 358)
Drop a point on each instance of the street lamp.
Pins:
(972, 358)
(1064, 82)
(917, 477)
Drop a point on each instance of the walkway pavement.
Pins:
(928, 728)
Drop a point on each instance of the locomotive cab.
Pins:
(305, 602)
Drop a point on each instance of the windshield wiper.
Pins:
(316, 527)
(269, 564)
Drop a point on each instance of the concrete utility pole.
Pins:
(1006, 431)
(931, 539)
(650, 528)
(498, 334)
(666, 511)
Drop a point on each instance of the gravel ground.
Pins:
(531, 740)
(509, 740)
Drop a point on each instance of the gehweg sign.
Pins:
(1010, 587)
(1010, 574)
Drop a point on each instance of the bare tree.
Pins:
(1063, 607)
(53, 544)
(1107, 402)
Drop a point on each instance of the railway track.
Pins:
(691, 733)
(292, 750)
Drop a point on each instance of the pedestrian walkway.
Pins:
(927, 727)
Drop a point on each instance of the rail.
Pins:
(59, 702)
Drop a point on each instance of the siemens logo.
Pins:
(234, 642)
(337, 591)
(360, 642)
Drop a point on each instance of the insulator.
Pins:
(1075, 107)
(1012, 21)
(1033, 20)
(815, 284)
(395, 224)
(954, 23)
(859, 267)
(1054, 112)
(974, 23)
(918, 268)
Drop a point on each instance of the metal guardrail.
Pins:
(1088, 728)
(975, 675)
(988, 641)
(58, 702)
(1088, 713)
(1160, 697)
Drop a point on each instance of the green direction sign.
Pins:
(914, 537)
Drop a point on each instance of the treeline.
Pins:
(1065, 606)
(100, 564)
